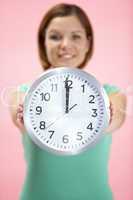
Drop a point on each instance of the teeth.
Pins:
(66, 56)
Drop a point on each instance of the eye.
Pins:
(55, 37)
(76, 37)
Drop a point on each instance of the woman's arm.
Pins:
(118, 111)
(16, 109)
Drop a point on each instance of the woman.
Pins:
(65, 38)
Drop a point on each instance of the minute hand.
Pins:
(67, 99)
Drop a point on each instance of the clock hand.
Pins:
(55, 121)
(67, 100)
(67, 95)
(73, 107)
(60, 117)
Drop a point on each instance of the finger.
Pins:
(20, 108)
(20, 122)
(21, 105)
(19, 115)
(111, 112)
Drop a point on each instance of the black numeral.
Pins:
(54, 87)
(79, 136)
(90, 127)
(94, 113)
(68, 83)
(51, 134)
(42, 125)
(38, 110)
(65, 139)
(83, 88)
(45, 96)
(91, 99)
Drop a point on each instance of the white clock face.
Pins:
(66, 111)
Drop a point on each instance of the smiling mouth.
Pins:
(66, 56)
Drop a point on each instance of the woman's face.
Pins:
(66, 42)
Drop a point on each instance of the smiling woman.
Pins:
(65, 38)
(65, 35)
(66, 46)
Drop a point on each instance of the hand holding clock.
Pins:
(71, 81)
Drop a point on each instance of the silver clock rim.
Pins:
(86, 75)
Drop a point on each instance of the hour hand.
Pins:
(72, 107)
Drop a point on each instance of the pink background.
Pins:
(111, 63)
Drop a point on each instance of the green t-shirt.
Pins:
(80, 177)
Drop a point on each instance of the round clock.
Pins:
(66, 111)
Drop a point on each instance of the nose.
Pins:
(64, 43)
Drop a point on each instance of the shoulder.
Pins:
(114, 92)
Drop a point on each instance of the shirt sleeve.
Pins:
(23, 88)
(110, 88)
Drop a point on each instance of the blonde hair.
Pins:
(62, 10)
